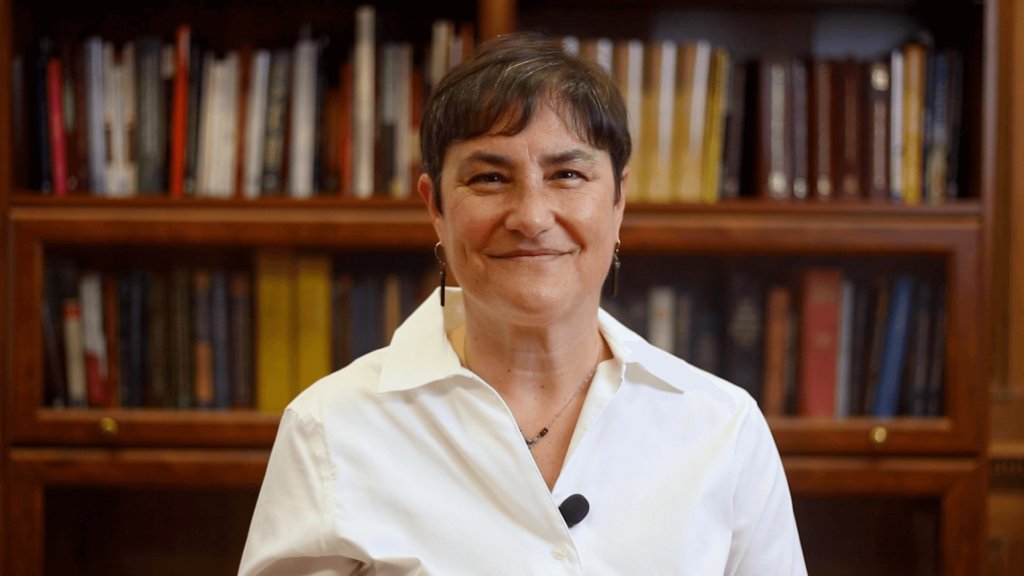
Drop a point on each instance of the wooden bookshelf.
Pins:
(940, 460)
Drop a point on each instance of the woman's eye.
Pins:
(490, 178)
(567, 175)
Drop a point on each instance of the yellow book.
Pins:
(713, 136)
(913, 118)
(645, 154)
(686, 59)
(275, 330)
(627, 71)
(693, 159)
(313, 307)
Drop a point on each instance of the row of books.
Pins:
(155, 117)
(211, 337)
(823, 129)
(833, 346)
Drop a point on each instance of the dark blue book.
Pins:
(150, 139)
(894, 356)
(195, 92)
(132, 295)
(707, 340)
(742, 353)
(927, 126)
(220, 340)
(686, 306)
(937, 356)
(917, 354)
(367, 316)
(241, 341)
(42, 116)
(955, 121)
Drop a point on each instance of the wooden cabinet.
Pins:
(934, 467)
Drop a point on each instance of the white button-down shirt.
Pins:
(407, 463)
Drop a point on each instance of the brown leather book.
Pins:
(822, 130)
(774, 136)
(848, 124)
(875, 180)
(801, 154)
(780, 304)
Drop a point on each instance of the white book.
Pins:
(660, 189)
(896, 127)
(203, 158)
(302, 140)
(635, 89)
(226, 128)
(661, 317)
(129, 170)
(363, 113)
(401, 184)
(698, 112)
(604, 54)
(571, 45)
(256, 120)
(74, 353)
(440, 43)
(94, 114)
(844, 349)
(90, 293)
(112, 119)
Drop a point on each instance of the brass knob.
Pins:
(108, 426)
(879, 435)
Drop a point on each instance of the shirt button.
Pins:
(560, 553)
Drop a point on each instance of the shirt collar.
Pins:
(420, 352)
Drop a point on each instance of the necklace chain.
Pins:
(529, 442)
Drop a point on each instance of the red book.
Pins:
(822, 291)
(58, 144)
(179, 114)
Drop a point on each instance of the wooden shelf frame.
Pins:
(383, 225)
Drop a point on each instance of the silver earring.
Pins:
(444, 270)
(615, 269)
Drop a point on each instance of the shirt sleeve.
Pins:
(765, 539)
(287, 534)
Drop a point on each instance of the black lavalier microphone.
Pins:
(574, 509)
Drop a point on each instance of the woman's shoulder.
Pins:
(351, 386)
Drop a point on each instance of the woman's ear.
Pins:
(425, 186)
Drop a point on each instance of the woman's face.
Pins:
(530, 221)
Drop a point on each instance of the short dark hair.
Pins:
(503, 81)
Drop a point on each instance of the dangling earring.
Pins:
(444, 271)
(615, 269)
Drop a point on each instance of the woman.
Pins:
(450, 451)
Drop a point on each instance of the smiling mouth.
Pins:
(528, 254)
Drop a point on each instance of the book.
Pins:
(181, 338)
(894, 356)
(151, 163)
(661, 317)
(219, 339)
(331, 140)
(823, 133)
(844, 349)
(44, 175)
(196, 75)
(915, 57)
(345, 128)
(685, 311)
(75, 118)
(94, 104)
(202, 338)
(387, 107)
(74, 349)
(777, 313)
(937, 357)
(58, 144)
(744, 333)
(255, 129)
(241, 340)
(132, 294)
(955, 121)
(401, 183)
(273, 141)
(112, 328)
(659, 109)
(691, 102)
(241, 121)
(876, 132)
(849, 130)
(302, 125)
(341, 320)
(367, 315)
(275, 326)
(363, 113)
(897, 98)
(60, 283)
(920, 343)
(718, 88)
(94, 344)
(801, 123)
(627, 72)
(733, 161)
(21, 140)
(774, 129)
(179, 112)
(820, 318)
(937, 151)
(158, 392)
(313, 322)
(879, 315)
(707, 337)
(126, 148)
(863, 307)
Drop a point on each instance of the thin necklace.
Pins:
(529, 442)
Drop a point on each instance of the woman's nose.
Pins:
(532, 211)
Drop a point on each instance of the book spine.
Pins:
(401, 184)
(112, 328)
(138, 337)
(181, 338)
(823, 130)
(127, 153)
(341, 323)
(124, 353)
(74, 354)
(386, 136)
(242, 103)
(363, 116)
(955, 115)
(94, 344)
(937, 357)
(303, 120)
(822, 291)
(255, 131)
(205, 126)
(345, 128)
(241, 341)
(776, 325)
(859, 346)
(661, 316)
(148, 113)
(20, 124)
(744, 335)
(937, 160)
(225, 132)
(319, 122)
(196, 75)
(850, 131)
(58, 144)
(685, 310)
(891, 371)
(313, 291)
(921, 340)
(93, 49)
(844, 349)
(659, 189)
(180, 113)
(202, 344)
(78, 133)
(158, 389)
(876, 134)
(897, 98)
(913, 119)
(220, 341)
(801, 142)
(275, 329)
(43, 121)
(714, 126)
(366, 316)
(273, 143)
(773, 177)
(734, 132)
